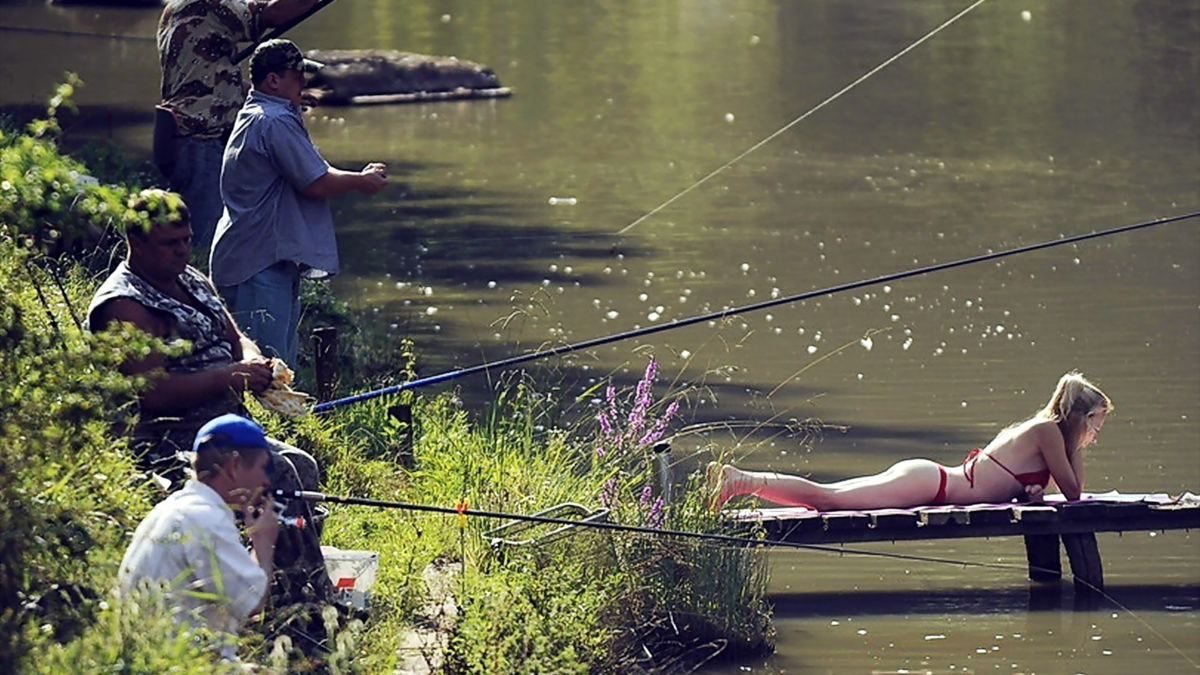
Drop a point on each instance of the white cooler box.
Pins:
(352, 574)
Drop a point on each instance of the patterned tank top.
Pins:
(205, 327)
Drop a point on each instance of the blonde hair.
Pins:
(1074, 394)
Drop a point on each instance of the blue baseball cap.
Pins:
(230, 430)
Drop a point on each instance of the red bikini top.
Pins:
(1041, 478)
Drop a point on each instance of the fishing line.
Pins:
(462, 512)
(76, 33)
(803, 117)
(679, 323)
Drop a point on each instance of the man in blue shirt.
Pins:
(202, 93)
(277, 226)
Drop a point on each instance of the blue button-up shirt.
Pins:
(269, 161)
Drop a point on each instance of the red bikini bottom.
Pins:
(940, 497)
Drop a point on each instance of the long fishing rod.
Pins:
(76, 33)
(237, 58)
(679, 323)
(280, 30)
(463, 511)
(312, 496)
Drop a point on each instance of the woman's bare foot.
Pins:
(721, 482)
(727, 481)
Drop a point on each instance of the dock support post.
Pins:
(1045, 563)
(325, 358)
(1041, 552)
(1086, 566)
(402, 413)
(662, 454)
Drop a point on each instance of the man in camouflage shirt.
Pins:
(203, 90)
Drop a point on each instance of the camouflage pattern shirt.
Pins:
(196, 40)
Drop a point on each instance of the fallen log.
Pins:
(368, 76)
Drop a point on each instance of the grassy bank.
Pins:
(596, 602)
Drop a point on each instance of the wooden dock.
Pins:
(1043, 526)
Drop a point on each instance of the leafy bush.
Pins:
(47, 200)
(69, 489)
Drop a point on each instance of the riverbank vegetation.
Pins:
(595, 601)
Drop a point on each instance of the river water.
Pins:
(663, 160)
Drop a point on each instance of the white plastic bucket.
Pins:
(352, 574)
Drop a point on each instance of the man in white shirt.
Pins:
(188, 553)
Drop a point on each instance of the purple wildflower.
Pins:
(651, 371)
(605, 424)
(655, 515)
(671, 410)
(608, 493)
(660, 425)
(646, 494)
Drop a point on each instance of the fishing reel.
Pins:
(279, 506)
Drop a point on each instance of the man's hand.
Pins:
(262, 525)
(252, 374)
(374, 178)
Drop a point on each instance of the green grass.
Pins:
(592, 602)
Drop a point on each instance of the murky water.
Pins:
(1022, 122)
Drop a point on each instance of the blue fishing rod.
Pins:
(679, 323)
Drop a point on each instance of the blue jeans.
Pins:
(197, 178)
(267, 308)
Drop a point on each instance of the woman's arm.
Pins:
(1076, 459)
(1067, 472)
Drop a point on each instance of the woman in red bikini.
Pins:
(1020, 460)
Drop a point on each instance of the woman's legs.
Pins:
(912, 482)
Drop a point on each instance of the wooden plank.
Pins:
(990, 521)
(991, 515)
(1074, 512)
(1034, 513)
(944, 516)
(895, 520)
(847, 522)
(800, 529)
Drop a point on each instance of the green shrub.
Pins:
(69, 491)
(124, 640)
(47, 201)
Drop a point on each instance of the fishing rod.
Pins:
(312, 496)
(76, 33)
(280, 30)
(679, 323)
(463, 511)
(236, 59)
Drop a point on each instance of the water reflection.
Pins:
(1051, 598)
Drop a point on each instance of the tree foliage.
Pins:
(48, 201)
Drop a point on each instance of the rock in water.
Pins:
(359, 76)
